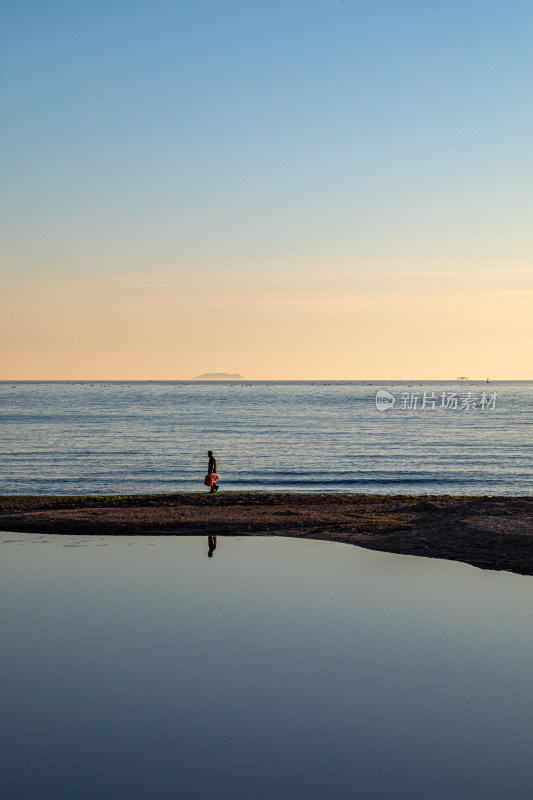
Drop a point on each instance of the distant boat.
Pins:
(487, 380)
(462, 378)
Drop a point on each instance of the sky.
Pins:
(302, 189)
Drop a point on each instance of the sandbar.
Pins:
(489, 532)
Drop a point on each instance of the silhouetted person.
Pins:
(212, 470)
(212, 542)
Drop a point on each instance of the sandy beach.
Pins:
(487, 532)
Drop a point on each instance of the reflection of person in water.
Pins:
(212, 542)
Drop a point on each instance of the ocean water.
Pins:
(460, 437)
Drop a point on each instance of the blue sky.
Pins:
(247, 143)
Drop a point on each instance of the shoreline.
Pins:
(489, 532)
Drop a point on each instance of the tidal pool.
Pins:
(139, 667)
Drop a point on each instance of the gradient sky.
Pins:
(296, 189)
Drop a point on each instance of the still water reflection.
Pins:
(137, 667)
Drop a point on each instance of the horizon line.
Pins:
(247, 380)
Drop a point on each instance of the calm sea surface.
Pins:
(143, 437)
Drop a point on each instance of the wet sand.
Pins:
(487, 532)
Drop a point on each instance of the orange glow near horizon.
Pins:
(425, 328)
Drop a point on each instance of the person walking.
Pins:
(212, 470)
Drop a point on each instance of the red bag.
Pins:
(209, 480)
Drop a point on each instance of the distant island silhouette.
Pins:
(218, 376)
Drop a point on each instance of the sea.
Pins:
(403, 437)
